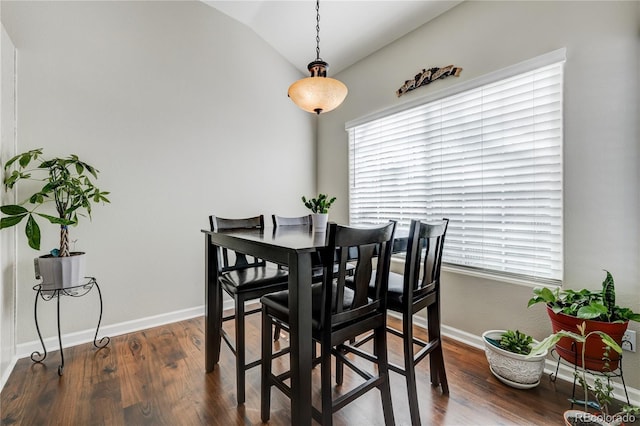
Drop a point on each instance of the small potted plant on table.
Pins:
(507, 353)
(66, 182)
(320, 208)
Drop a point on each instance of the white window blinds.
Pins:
(488, 158)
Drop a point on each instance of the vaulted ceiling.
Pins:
(350, 30)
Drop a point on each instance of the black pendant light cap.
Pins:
(318, 68)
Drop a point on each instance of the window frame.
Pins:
(554, 57)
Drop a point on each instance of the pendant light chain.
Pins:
(317, 93)
(318, 30)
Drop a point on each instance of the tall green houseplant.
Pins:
(66, 182)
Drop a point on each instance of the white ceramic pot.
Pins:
(513, 369)
(319, 221)
(61, 272)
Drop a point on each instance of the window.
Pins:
(487, 155)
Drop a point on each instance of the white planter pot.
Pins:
(510, 368)
(61, 272)
(319, 221)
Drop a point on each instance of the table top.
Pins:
(290, 237)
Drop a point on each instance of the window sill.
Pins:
(498, 277)
(399, 263)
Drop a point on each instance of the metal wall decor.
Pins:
(426, 76)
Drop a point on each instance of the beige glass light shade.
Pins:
(318, 94)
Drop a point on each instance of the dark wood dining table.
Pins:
(292, 246)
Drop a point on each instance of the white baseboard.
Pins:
(461, 336)
(86, 336)
(7, 372)
(25, 349)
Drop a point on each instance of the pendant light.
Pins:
(318, 93)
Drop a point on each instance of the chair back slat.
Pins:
(424, 259)
(232, 260)
(221, 224)
(363, 274)
(368, 245)
(291, 221)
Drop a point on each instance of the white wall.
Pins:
(7, 239)
(184, 112)
(601, 145)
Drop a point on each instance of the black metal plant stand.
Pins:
(608, 374)
(48, 292)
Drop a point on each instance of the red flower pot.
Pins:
(571, 351)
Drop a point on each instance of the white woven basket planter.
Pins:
(510, 368)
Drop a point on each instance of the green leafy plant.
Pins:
(321, 204)
(586, 304)
(66, 182)
(516, 342)
(602, 391)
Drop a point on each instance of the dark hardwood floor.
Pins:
(156, 377)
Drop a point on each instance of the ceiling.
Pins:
(350, 30)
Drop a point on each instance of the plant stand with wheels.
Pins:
(48, 292)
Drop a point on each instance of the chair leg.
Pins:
(339, 371)
(240, 349)
(340, 364)
(265, 385)
(436, 358)
(409, 368)
(325, 365)
(218, 325)
(276, 333)
(383, 371)
(442, 373)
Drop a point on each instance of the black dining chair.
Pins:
(419, 288)
(279, 221)
(244, 278)
(338, 314)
